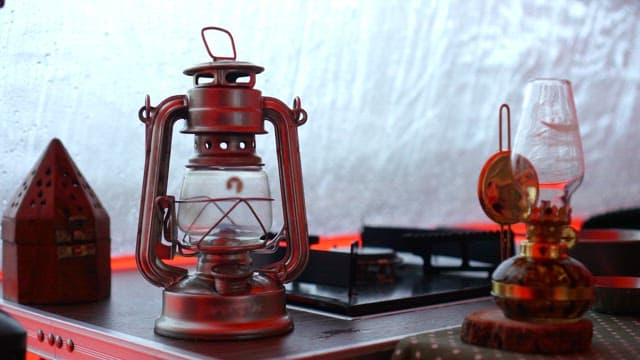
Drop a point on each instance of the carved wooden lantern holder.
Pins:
(56, 239)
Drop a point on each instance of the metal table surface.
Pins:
(122, 328)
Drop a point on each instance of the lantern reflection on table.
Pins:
(224, 210)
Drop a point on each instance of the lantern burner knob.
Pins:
(231, 279)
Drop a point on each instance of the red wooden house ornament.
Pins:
(56, 237)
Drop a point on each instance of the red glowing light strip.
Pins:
(128, 262)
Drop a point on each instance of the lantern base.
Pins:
(193, 310)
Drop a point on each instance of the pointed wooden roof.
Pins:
(53, 191)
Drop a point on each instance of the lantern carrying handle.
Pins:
(206, 44)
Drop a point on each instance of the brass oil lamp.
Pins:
(542, 283)
(224, 210)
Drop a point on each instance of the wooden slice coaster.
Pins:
(490, 328)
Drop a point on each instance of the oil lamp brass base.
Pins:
(192, 310)
(543, 283)
(542, 290)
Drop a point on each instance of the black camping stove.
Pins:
(395, 269)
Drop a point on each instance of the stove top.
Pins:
(395, 269)
(412, 289)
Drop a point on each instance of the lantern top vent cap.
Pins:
(224, 65)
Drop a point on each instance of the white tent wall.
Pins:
(402, 96)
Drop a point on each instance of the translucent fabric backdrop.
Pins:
(402, 96)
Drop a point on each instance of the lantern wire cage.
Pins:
(186, 247)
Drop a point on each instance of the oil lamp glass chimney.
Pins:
(549, 137)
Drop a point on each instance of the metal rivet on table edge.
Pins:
(59, 341)
(40, 335)
(70, 345)
(51, 338)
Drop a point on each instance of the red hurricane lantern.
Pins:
(224, 208)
